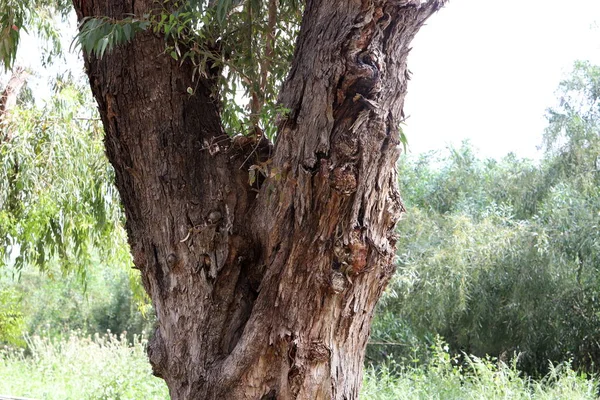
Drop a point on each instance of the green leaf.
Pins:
(101, 47)
(403, 139)
(127, 31)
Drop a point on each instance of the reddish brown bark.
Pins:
(266, 295)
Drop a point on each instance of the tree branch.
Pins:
(430, 7)
(9, 97)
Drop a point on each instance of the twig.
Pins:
(387, 344)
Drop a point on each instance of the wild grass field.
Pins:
(79, 367)
(109, 367)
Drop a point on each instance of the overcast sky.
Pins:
(482, 69)
(488, 69)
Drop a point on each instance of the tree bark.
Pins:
(268, 294)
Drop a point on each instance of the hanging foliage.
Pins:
(57, 200)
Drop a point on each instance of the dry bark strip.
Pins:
(264, 295)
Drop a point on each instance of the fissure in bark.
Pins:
(264, 295)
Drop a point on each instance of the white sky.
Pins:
(488, 69)
(482, 69)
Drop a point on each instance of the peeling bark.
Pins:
(266, 296)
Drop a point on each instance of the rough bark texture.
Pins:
(263, 295)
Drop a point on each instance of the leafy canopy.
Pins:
(248, 45)
(57, 202)
(39, 17)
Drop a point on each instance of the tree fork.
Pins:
(269, 295)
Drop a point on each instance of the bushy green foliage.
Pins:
(60, 213)
(246, 47)
(504, 256)
(12, 322)
(57, 200)
(80, 367)
(52, 304)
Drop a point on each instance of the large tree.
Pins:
(263, 261)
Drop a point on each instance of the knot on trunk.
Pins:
(344, 179)
(338, 282)
(318, 352)
(350, 255)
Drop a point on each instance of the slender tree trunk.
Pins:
(264, 295)
(8, 99)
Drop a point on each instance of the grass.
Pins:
(78, 367)
(108, 367)
(445, 378)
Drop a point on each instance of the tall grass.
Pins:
(445, 378)
(109, 367)
(79, 367)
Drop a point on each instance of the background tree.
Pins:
(501, 257)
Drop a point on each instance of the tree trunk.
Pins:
(8, 99)
(268, 294)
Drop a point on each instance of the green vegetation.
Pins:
(53, 305)
(448, 378)
(80, 367)
(111, 367)
(58, 206)
(32, 16)
(501, 258)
